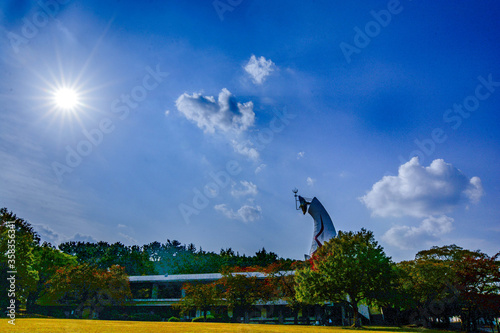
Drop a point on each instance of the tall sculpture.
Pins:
(323, 225)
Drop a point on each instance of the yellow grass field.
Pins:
(32, 325)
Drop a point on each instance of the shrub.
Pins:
(210, 319)
(173, 319)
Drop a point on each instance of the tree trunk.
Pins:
(31, 302)
(447, 322)
(354, 305)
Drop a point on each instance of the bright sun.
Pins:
(66, 98)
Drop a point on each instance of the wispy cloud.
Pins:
(245, 148)
(245, 213)
(260, 168)
(128, 237)
(246, 188)
(82, 238)
(28, 182)
(47, 234)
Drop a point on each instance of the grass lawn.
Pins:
(32, 325)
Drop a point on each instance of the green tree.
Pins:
(433, 286)
(349, 268)
(88, 288)
(263, 258)
(136, 260)
(47, 260)
(17, 241)
(446, 253)
(86, 252)
(422, 283)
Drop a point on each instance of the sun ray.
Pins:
(70, 95)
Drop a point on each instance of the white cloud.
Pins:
(429, 230)
(474, 192)
(300, 155)
(224, 114)
(82, 238)
(260, 168)
(226, 211)
(246, 213)
(245, 148)
(310, 181)
(344, 174)
(46, 233)
(422, 191)
(250, 213)
(248, 188)
(259, 68)
(127, 237)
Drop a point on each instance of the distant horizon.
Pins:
(199, 248)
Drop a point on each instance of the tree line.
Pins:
(93, 275)
(351, 269)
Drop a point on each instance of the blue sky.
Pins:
(196, 119)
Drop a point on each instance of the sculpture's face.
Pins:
(303, 204)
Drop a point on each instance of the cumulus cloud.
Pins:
(406, 237)
(310, 181)
(422, 191)
(300, 155)
(247, 188)
(224, 114)
(246, 213)
(259, 69)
